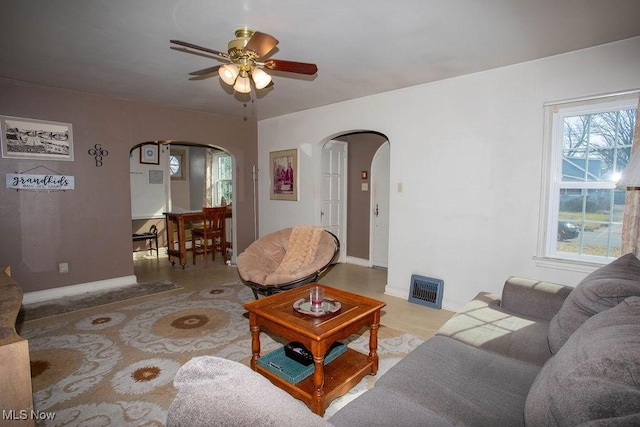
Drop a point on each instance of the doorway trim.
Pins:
(366, 259)
(372, 200)
(342, 195)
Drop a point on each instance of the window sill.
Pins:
(568, 265)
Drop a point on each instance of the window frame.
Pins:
(217, 181)
(555, 113)
(180, 156)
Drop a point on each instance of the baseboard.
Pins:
(358, 261)
(447, 303)
(65, 291)
(451, 305)
(395, 292)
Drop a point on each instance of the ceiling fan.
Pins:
(246, 61)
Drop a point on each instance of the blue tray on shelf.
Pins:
(288, 369)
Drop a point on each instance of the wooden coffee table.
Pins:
(276, 313)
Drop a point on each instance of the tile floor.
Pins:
(399, 314)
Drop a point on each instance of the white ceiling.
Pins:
(121, 47)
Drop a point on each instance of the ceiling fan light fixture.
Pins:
(228, 73)
(244, 55)
(260, 78)
(243, 84)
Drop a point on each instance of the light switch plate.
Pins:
(63, 267)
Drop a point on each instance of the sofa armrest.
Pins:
(15, 370)
(213, 391)
(533, 297)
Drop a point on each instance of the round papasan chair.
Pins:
(287, 258)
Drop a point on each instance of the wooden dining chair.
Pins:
(211, 237)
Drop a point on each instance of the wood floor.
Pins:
(399, 314)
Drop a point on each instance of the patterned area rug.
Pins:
(114, 364)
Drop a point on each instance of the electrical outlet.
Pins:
(63, 267)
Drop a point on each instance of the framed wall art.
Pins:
(156, 177)
(284, 174)
(36, 139)
(150, 154)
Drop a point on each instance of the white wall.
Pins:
(469, 154)
(148, 200)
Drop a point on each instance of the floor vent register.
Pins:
(426, 291)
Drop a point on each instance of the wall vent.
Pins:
(426, 291)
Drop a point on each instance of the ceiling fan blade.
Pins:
(291, 66)
(204, 71)
(202, 54)
(261, 43)
(203, 76)
(203, 49)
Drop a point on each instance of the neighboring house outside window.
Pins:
(590, 144)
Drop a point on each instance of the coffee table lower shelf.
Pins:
(339, 377)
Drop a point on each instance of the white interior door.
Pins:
(332, 214)
(380, 207)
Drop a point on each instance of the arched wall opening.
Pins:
(349, 211)
(182, 177)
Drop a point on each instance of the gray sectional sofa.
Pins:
(540, 354)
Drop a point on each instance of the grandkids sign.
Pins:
(22, 181)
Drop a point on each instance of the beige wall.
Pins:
(361, 149)
(90, 227)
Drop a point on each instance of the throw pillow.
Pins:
(599, 291)
(594, 377)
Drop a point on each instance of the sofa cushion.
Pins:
(444, 379)
(595, 377)
(599, 291)
(383, 407)
(484, 323)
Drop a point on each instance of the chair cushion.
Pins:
(599, 291)
(303, 243)
(595, 377)
(260, 261)
(263, 256)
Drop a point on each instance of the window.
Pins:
(223, 179)
(176, 164)
(590, 145)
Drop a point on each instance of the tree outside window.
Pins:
(591, 145)
(223, 179)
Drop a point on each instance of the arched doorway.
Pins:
(179, 177)
(347, 193)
